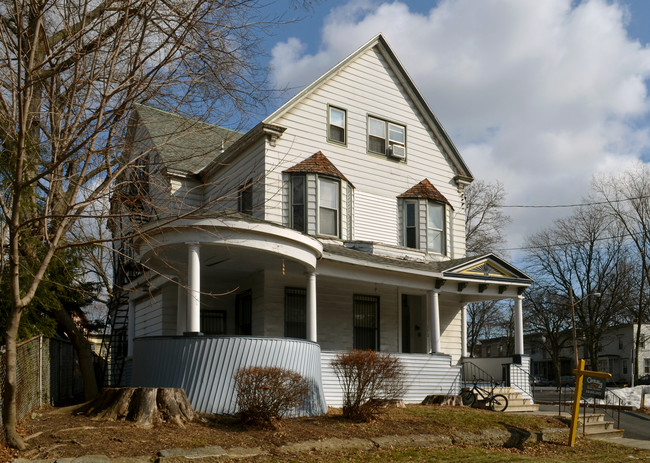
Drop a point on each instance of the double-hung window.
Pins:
(328, 206)
(337, 120)
(298, 196)
(383, 134)
(435, 227)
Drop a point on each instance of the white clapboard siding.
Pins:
(375, 218)
(425, 375)
(223, 186)
(149, 315)
(365, 87)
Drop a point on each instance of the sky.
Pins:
(539, 95)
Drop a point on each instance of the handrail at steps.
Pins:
(520, 384)
(472, 372)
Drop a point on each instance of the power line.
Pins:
(552, 206)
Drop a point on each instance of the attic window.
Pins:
(337, 125)
(386, 138)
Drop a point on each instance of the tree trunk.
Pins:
(146, 406)
(84, 353)
(9, 393)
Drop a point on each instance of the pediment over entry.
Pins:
(488, 266)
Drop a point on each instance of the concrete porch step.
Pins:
(528, 408)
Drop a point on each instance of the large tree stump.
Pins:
(147, 406)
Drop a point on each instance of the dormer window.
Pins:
(386, 138)
(423, 218)
(318, 198)
(328, 206)
(337, 125)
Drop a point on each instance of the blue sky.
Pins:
(539, 95)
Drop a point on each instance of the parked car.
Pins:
(568, 381)
(643, 380)
(539, 381)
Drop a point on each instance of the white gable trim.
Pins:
(405, 79)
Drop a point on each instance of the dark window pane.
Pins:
(295, 313)
(246, 198)
(243, 314)
(337, 133)
(298, 203)
(376, 145)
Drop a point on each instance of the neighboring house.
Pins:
(616, 354)
(338, 222)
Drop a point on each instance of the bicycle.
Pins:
(496, 402)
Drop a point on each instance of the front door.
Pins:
(414, 322)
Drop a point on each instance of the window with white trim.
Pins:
(384, 135)
(436, 227)
(329, 206)
(336, 131)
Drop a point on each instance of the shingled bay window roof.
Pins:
(425, 190)
(317, 164)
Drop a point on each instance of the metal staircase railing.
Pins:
(114, 342)
(472, 372)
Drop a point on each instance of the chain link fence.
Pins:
(47, 374)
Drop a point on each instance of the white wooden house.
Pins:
(337, 222)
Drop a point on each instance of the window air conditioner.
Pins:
(397, 151)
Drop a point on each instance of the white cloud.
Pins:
(538, 94)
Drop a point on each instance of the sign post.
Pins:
(595, 388)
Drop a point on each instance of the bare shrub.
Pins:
(265, 394)
(370, 380)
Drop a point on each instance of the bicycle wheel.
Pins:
(498, 403)
(468, 397)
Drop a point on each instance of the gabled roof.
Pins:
(482, 267)
(183, 144)
(432, 121)
(425, 190)
(317, 163)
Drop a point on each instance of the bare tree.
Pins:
(70, 73)
(484, 217)
(549, 317)
(484, 225)
(627, 200)
(584, 252)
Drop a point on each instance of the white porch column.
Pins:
(181, 309)
(131, 329)
(311, 308)
(194, 290)
(434, 316)
(463, 331)
(519, 325)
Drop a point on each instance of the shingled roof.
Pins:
(425, 190)
(183, 144)
(317, 163)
